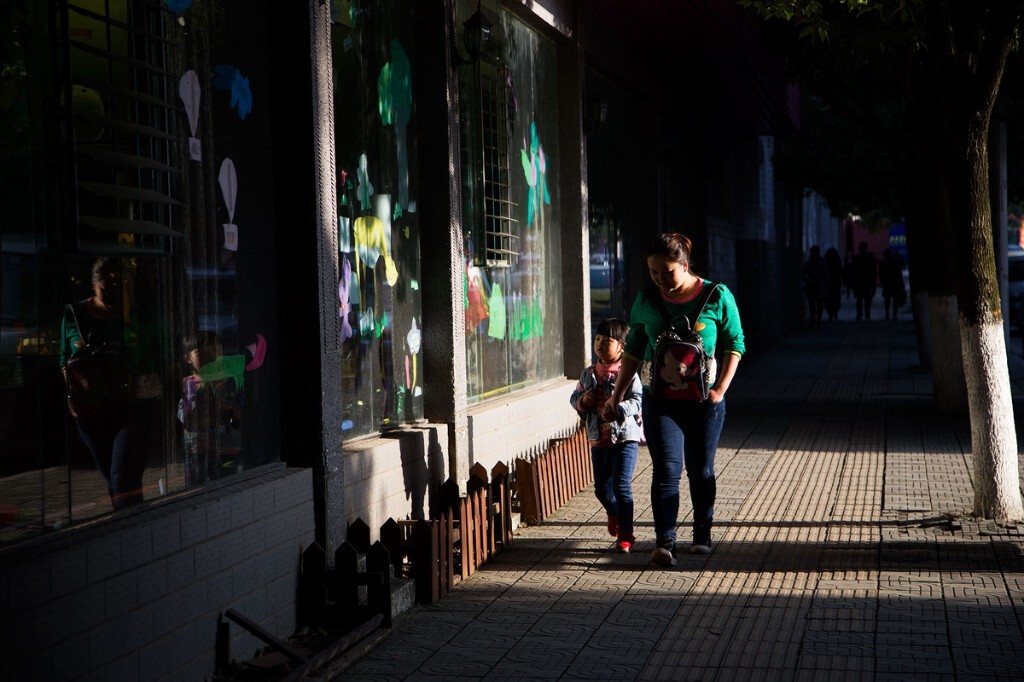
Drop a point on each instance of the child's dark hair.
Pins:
(614, 328)
(204, 338)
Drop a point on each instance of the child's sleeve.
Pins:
(578, 393)
(630, 405)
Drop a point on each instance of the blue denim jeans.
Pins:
(113, 442)
(613, 482)
(682, 432)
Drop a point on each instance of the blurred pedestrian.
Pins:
(864, 275)
(815, 280)
(834, 286)
(894, 291)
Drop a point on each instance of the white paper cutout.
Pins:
(231, 237)
(190, 93)
(344, 235)
(228, 181)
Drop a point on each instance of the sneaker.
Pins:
(665, 553)
(623, 546)
(613, 525)
(701, 542)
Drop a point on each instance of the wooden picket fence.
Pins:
(465, 531)
(549, 480)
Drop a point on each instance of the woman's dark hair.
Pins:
(614, 328)
(103, 267)
(674, 246)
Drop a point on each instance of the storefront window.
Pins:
(513, 260)
(374, 54)
(131, 364)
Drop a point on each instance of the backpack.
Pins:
(680, 368)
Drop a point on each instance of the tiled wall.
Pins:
(138, 598)
(395, 475)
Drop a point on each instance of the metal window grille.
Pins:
(121, 110)
(499, 230)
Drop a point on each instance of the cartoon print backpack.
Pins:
(681, 368)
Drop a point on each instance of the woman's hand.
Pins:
(610, 410)
(715, 395)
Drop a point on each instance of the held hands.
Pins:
(610, 410)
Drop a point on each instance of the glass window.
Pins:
(132, 362)
(374, 53)
(513, 258)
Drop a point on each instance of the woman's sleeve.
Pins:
(69, 335)
(637, 341)
(730, 329)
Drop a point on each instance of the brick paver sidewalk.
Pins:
(843, 551)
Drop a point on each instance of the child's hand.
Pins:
(588, 400)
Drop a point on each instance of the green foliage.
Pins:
(815, 20)
(850, 169)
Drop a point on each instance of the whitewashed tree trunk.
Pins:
(948, 386)
(993, 436)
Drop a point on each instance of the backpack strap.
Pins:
(659, 303)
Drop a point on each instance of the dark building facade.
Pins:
(338, 259)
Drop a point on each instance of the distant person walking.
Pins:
(834, 286)
(894, 291)
(864, 273)
(815, 281)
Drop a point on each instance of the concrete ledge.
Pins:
(521, 423)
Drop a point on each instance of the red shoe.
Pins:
(613, 525)
(624, 546)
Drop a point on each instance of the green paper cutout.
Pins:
(224, 367)
(496, 321)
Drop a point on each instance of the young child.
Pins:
(208, 408)
(613, 444)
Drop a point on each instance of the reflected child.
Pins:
(209, 408)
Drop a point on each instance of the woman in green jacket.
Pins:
(681, 432)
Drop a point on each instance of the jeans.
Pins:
(613, 482)
(682, 432)
(114, 444)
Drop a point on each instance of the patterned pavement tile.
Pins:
(843, 551)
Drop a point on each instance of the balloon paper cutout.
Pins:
(190, 93)
(228, 77)
(228, 181)
(258, 351)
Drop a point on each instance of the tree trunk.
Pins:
(993, 435)
(949, 388)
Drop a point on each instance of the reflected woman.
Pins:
(93, 360)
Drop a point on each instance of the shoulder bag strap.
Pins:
(705, 296)
(74, 318)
